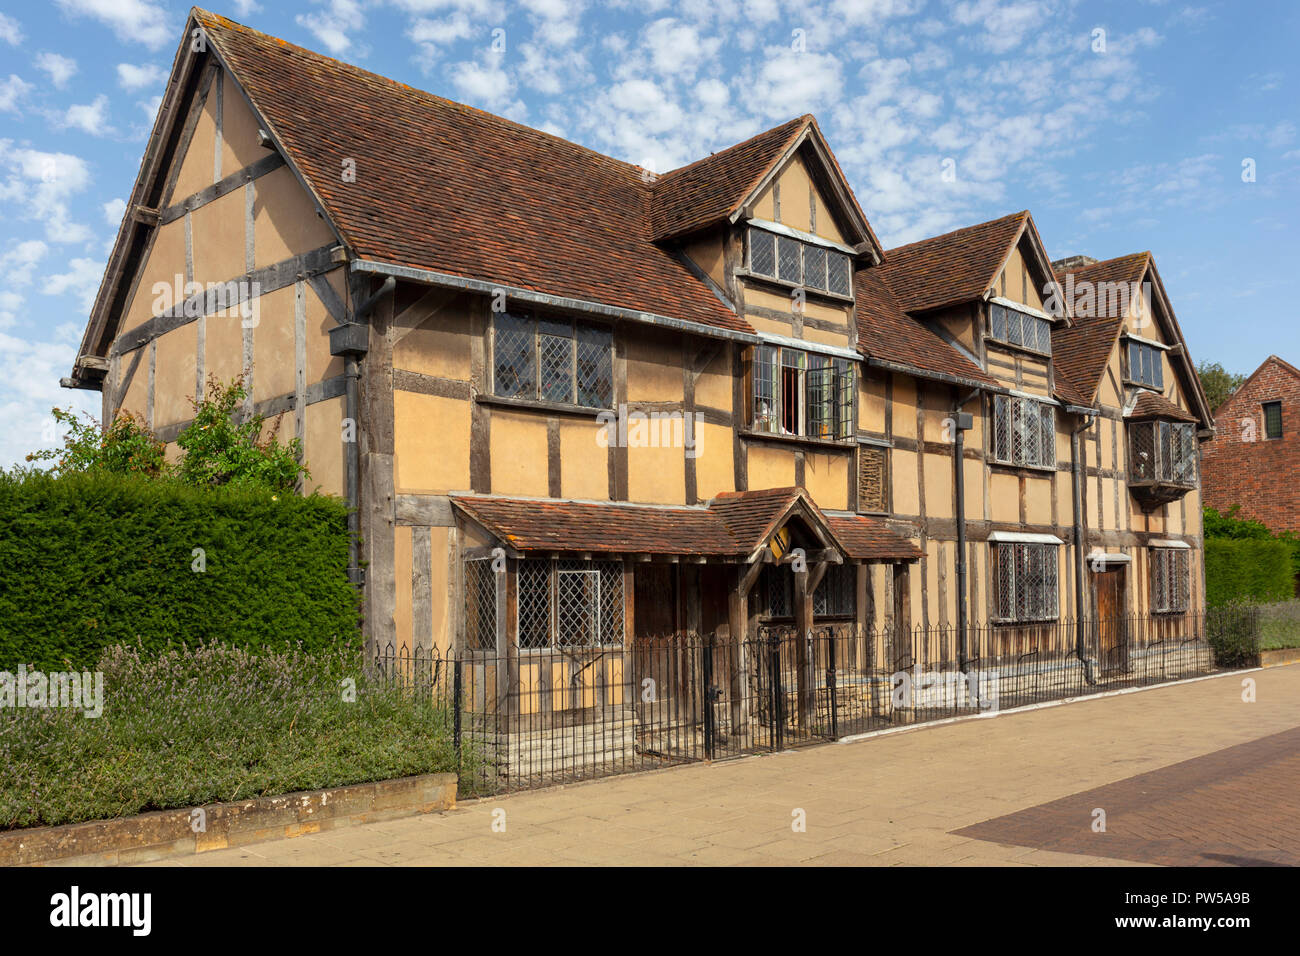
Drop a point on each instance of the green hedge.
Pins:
(92, 560)
(1247, 570)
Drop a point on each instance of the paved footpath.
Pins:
(1171, 766)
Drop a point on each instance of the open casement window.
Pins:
(873, 478)
(566, 603)
(552, 360)
(799, 263)
(1024, 432)
(1012, 327)
(800, 393)
(1162, 452)
(1025, 585)
(1170, 580)
(1145, 366)
(484, 594)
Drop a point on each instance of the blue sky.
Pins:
(1127, 139)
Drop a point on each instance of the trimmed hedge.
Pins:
(93, 560)
(1247, 570)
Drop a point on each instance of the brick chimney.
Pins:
(1073, 262)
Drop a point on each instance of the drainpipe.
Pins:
(1076, 481)
(351, 339)
(963, 421)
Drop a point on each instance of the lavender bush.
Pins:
(212, 723)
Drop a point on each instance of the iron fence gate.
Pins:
(538, 716)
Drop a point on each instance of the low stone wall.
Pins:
(170, 833)
(1284, 655)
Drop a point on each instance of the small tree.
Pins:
(1219, 384)
(125, 447)
(219, 449)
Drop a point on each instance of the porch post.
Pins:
(803, 622)
(738, 625)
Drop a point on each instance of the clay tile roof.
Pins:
(711, 189)
(956, 267)
(751, 516)
(539, 525)
(862, 536)
(733, 525)
(1081, 351)
(888, 333)
(452, 189)
(1151, 405)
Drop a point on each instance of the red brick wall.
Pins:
(1262, 475)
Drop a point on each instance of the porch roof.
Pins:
(733, 525)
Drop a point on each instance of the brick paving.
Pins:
(1237, 806)
(1173, 766)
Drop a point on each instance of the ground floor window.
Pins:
(835, 595)
(1025, 587)
(568, 603)
(482, 594)
(1170, 580)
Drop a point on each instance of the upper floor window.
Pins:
(1162, 452)
(1025, 585)
(801, 393)
(1272, 419)
(1169, 580)
(1024, 432)
(552, 360)
(801, 263)
(1013, 327)
(1145, 366)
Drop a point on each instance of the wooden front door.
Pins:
(1112, 629)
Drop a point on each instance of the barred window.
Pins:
(1144, 365)
(1024, 431)
(1014, 327)
(482, 591)
(1162, 451)
(569, 603)
(1026, 583)
(802, 393)
(873, 475)
(835, 595)
(1170, 580)
(553, 360)
(798, 262)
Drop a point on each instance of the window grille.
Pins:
(838, 274)
(836, 593)
(1170, 580)
(552, 360)
(481, 589)
(1027, 582)
(1014, 327)
(814, 267)
(570, 603)
(1161, 451)
(788, 259)
(1272, 419)
(762, 253)
(1024, 431)
(802, 393)
(779, 597)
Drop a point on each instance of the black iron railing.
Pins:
(536, 717)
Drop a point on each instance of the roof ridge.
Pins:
(361, 71)
(663, 177)
(952, 232)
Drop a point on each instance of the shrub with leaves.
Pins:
(213, 723)
(125, 447)
(221, 449)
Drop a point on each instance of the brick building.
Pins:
(1255, 461)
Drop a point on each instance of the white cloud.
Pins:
(333, 25)
(114, 209)
(132, 77)
(40, 184)
(789, 84)
(483, 82)
(31, 373)
(20, 259)
(132, 21)
(82, 280)
(13, 92)
(59, 68)
(677, 49)
(10, 31)
(90, 118)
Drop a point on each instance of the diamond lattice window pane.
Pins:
(612, 611)
(595, 368)
(480, 605)
(534, 603)
(577, 595)
(555, 367)
(514, 370)
(837, 273)
(814, 267)
(788, 258)
(762, 252)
